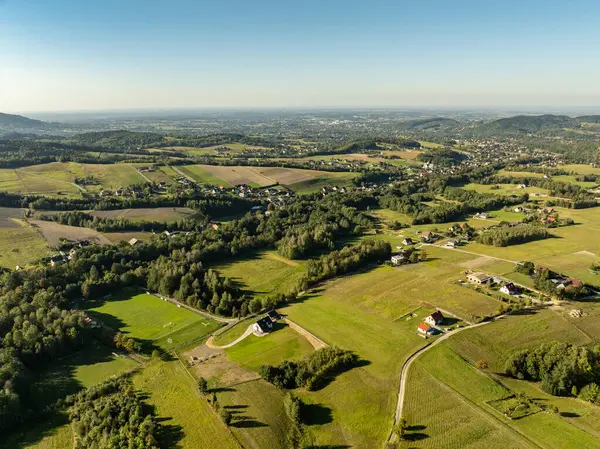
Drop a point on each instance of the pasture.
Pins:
(82, 369)
(281, 344)
(58, 178)
(51, 434)
(263, 273)
(152, 320)
(448, 370)
(188, 419)
(20, 244)
(571, 250)
(118, 237)
(505, 189)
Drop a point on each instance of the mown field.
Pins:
(152, 320)
(447, 371)
(188, 420)
(20, 244)
(168, 214)
(263, 273)
(57, 178)
(87, 367)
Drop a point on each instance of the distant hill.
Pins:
(431, 124)
(10, 121)
(528, 124)
(589, 118)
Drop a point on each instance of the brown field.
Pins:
(409, 155)
(53, 232)
(6, 213)
(238, 175)
(118, 237)
(284, 175)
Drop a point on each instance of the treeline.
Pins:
(562, 368)
(35, 328)
(347, 259)
(506, 235)
(313, 372)
(461, 202)
(120, 224)
(575, 197)
(112, 415)
(205, 204)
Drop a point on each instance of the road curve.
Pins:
(210, 344)
(411, 359)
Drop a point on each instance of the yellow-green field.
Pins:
(263, 273)
(20, 244)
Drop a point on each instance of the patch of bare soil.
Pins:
(475, 263)
(54, 232)
(213, 364)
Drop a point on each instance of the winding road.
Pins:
(413, 357)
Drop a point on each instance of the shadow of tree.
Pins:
(315, 414)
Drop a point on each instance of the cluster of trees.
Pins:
(347, 259)
(112, 415)
(505, 235)
(410, 200)
(120, 224)
(542, 281)
(182, 276)
(313, 372)
(562, 368)
(35, 328)
(575, 197)
(442, 157)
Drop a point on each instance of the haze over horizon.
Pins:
(72, 56)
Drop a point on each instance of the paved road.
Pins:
(412, 358)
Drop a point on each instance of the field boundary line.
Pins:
(315, 341)
(191, 309)
(49, 179)
(481, 411)
(140, 173)
(409, 361)
(202, 398)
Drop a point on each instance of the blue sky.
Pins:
(85, 55)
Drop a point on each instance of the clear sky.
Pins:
(89, 54)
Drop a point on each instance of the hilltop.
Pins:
(12, 121)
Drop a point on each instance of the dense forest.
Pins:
(562, 368)
(506, 235)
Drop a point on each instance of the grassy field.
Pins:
(447, 371)
(152, 320)
(260, 420)
(189, 421)
(82, 369)
(360, 401)
(20, 244)
(117, 237)
(572, 250)
(282, 344)
(203, 176)
(233, 333)
(505, 189)
(57, 178)
(322, 179)
(52, 434)
(264, 273)
(54, 233)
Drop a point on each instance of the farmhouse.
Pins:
(435, 318)
(452, 243)
(273, 315)
(428, 236)
(482, 216)
(407, 241)
(478, 278)
(133, 241)
(398, 259)
(510, 289)
(424, 329)
(263, 326)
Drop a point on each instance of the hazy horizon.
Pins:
(68, 56)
